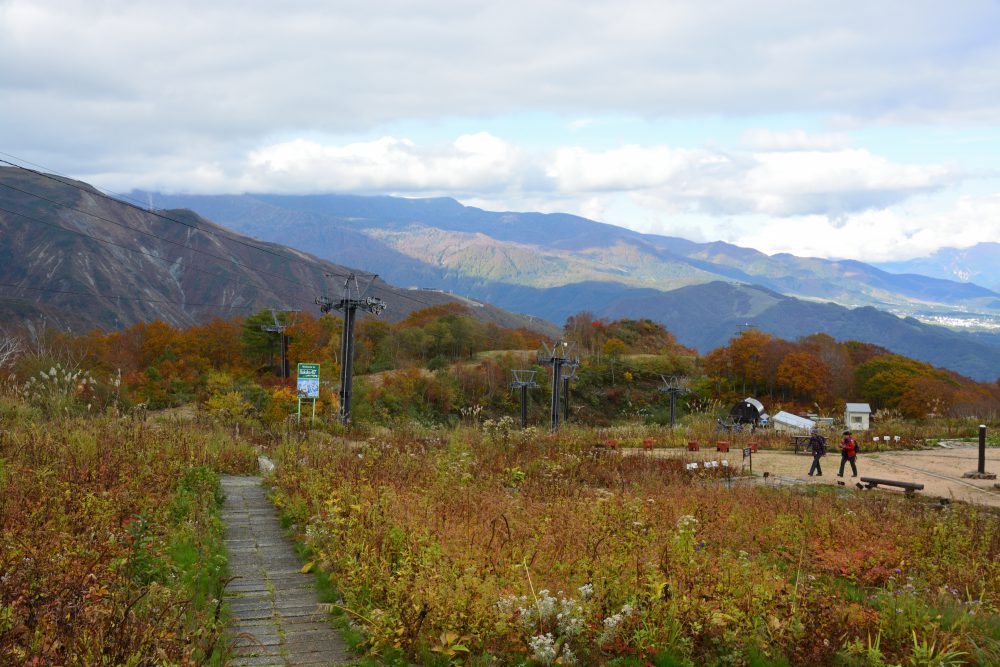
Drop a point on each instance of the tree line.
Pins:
(432, 366)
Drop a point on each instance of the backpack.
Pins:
(850, 446)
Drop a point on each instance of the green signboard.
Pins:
(308, 381)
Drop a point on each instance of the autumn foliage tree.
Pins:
(804, 375)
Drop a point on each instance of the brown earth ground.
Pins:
(939, 469)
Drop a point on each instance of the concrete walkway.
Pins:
(276, 620)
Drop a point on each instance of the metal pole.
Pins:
(566, 400)
(284, 355)
(347, 363)
(374, 306)
(982, 449)
(524, 406)
(673, 407)
(554, 406)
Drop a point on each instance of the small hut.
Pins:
(857, 416)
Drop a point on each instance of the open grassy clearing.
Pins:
(491, 546)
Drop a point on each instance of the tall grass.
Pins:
(110, 542)
(531, 547)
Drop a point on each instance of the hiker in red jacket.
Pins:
(848, 452)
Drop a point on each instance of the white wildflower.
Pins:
(687, 522)
(546, 605)
(543, 648)
(569, 620)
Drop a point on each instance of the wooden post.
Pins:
(982, 449)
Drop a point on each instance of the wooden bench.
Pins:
(801, 441)
(909, 487)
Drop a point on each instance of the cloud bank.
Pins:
(307, 96)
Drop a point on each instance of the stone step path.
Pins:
(276, 619)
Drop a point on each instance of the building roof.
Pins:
(859, 407)
(795, 421)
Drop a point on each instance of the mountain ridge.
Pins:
(64, 242)
(45, 244)
(443, 244)
(424, 229)
(979, 263)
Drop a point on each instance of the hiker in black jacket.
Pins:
(817, 444)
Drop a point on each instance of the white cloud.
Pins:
(777, 183)
(876, 235)
(847, 202)
(709, 181)
(473, 162)
(117, 78)
(763, 139)
(836, 182)
(229, 96)
(631, 167)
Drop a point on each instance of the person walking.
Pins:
(848, 452)
(817, 444)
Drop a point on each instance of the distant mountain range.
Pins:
(979, 264)
(441, 242)
(62, 243)
(554, 265)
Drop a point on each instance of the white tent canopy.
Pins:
(786, 421)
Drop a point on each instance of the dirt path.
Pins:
(277, 621)
(940, 469)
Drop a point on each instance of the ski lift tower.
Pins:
(279, 329)
(557, 356)
(524, 380)
(673, 386)
(349, 304)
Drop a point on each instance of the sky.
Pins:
(867, 130)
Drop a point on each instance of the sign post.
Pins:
(980, 471)
(748, 453)
(307, 386)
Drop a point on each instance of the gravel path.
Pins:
(939, 469)
(276, 618)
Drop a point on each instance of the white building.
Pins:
(857, 416)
